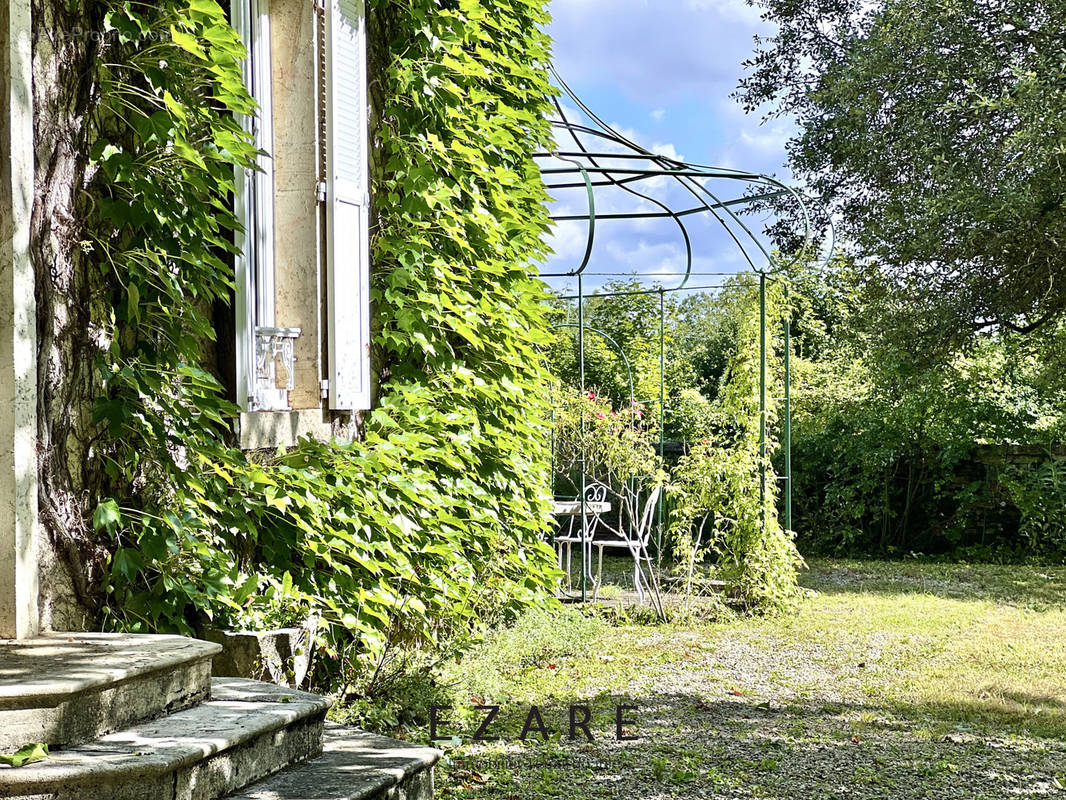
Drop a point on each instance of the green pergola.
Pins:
(593, 157)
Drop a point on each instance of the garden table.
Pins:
(572, 509)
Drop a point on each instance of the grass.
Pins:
(892, 680)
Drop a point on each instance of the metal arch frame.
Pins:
(591, 168)
(583, 163)
(617, 348)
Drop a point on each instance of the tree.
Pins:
(64, 94)
(933, 134)
(625, 323)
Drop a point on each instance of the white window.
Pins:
(264, 351)
(347, 206)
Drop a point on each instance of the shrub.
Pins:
(1039, 494)
(720, 502)
(614, 446)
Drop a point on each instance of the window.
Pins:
(264, 351)
(334, 360)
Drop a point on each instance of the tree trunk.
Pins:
(908, 502)
(66, 40)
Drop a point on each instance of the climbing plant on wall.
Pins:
(433, 520)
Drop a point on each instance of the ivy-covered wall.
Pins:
(435, 518)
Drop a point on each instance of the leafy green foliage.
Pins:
(698, 338)
(885, 430)
(167, 143)
(884, 435)
(721, 503)
(714, 503)
(933, 134)
(434, 522)
(689, 415)
(27, 754)
(1039, 493)
(614, 445)
(403, 696)
(622, 331)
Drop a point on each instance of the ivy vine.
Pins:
(435, 520)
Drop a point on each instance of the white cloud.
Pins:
(569, 241)
(654, 51)
(770, 138)
(738, 10)
(658, 114)
(647, 258)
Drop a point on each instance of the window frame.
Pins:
(254, 301)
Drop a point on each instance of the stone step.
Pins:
(66, 688)
(248, 730)
(354, 765)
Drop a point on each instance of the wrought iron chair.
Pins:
(595, 492)
(635, 540)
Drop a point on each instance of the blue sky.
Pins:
(662, 71)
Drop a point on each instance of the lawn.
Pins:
(891, 680)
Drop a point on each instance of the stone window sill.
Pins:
(268, 430)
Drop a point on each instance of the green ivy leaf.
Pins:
(187, 42)
(107, 516)
(127, 563)
(27, 754)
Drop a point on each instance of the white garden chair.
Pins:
(634, 541)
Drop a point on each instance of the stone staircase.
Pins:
(141, 718)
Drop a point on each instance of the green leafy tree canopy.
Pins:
(933, 134)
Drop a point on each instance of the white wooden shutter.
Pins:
(347, 206)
